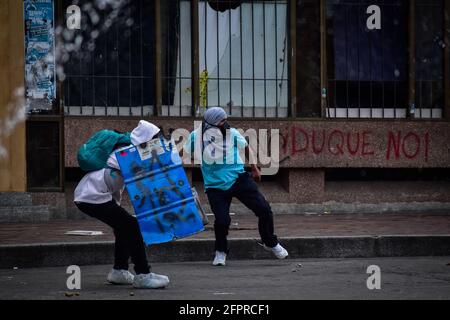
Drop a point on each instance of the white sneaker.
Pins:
(150, 281)
(160, 276)
(120, 277)
(220, 258)
(279, 252)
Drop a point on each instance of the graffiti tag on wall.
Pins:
(298, 141)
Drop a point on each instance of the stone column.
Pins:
(12, 166)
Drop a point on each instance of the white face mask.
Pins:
(216, 146)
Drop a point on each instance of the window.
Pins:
(367, 69)
(112, 72)
(242, 48)
(244, 52)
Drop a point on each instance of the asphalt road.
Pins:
(401, 278)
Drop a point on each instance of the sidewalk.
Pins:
(246, 226)
(313, 236)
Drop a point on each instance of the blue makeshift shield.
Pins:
(159, 192)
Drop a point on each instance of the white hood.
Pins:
(144, 132)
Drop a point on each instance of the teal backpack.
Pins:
(94, 154)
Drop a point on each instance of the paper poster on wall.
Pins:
(39, 54)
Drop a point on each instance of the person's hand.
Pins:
(256, 174)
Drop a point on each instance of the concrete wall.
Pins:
(306, 154)
(13, 167)
(315, 144)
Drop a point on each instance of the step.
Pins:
(15, 199)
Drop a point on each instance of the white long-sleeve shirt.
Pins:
(101, 186)
(104, 185)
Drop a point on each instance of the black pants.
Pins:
(129, 242)
(246, 191)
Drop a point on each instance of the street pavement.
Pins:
(291, 279)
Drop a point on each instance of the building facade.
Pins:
(359, 91)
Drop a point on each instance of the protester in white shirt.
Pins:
(99, 195)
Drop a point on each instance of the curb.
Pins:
(94, 253)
